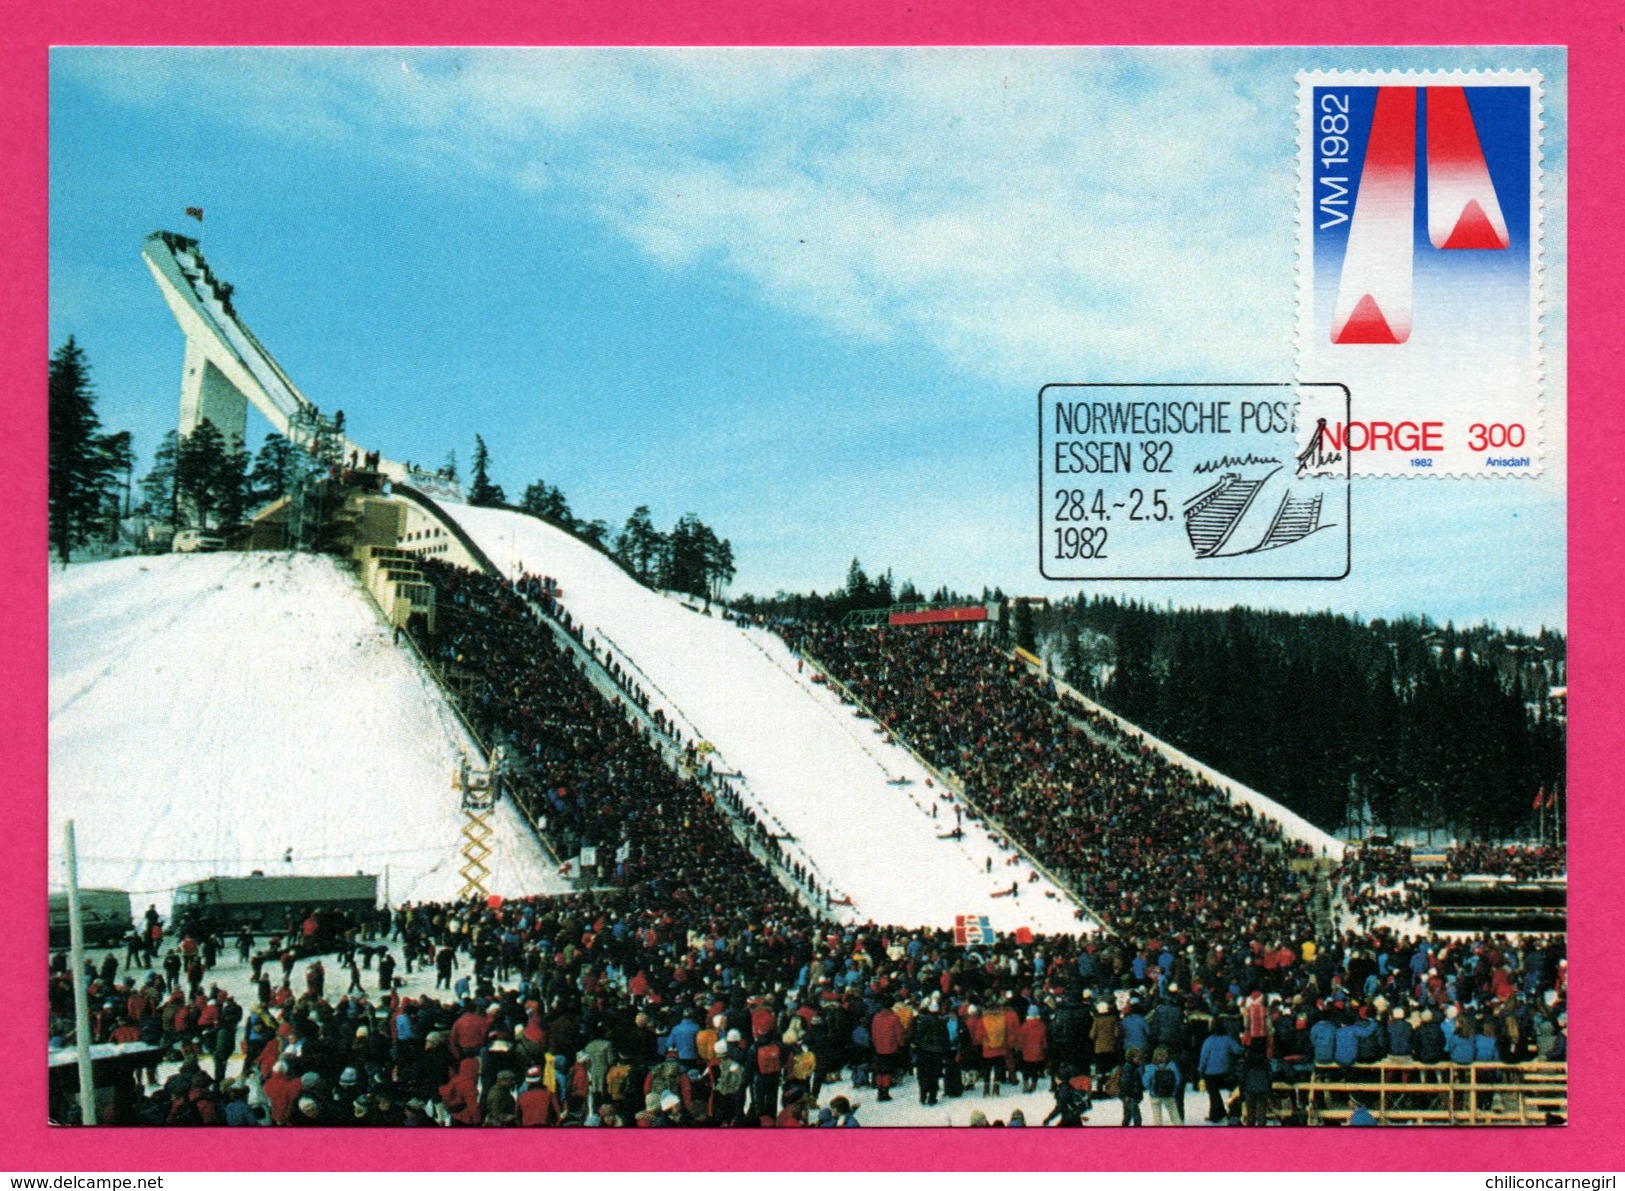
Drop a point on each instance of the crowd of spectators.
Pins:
(1154, 849)
(635, 1007)
(1518, 861)
(697, 989)
(1374, 883)
(1387, 883)
(587, 773)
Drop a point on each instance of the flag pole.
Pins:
(81, 997)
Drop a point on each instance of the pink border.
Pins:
(1597, 568)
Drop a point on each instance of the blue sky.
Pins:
(808, 295)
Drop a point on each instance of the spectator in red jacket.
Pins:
(886, 1036)
(538, 1106)
(282, 1090)
(1032, 1042)
(469, 1032)
(461, 1095)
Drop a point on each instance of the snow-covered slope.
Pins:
(825, 775)
(209, 712)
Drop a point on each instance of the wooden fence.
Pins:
(1433, 1094)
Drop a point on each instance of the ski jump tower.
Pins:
(226, 367)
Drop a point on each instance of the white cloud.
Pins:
(1039, 213)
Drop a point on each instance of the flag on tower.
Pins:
(196, 213)
(1540, 799)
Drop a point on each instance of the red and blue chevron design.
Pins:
(1417, 182)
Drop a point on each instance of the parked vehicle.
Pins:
(105, 914)
(193, 541)
(268, 905)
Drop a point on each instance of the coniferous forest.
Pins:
(1383, 725)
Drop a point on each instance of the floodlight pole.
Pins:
(81, 998)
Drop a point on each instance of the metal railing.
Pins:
(673, 755)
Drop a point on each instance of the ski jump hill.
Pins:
(212, 714)
(859, 805)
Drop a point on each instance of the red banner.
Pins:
(939, 615)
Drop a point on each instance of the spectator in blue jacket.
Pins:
(1323, 1040)
(1460, 1048)
(1449, 1024)
(1165, 1083)
(683, 1036)
(1136, 1030)
(1216, 1065)
(1399, 1036)
(1346, 1051)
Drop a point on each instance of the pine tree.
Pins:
(160, 496)
(80, 468)
(211, 476)
(1072, 660)
(859, 592)
(118, 456)
(721, 566)
(689, 546)
(1025, 635)
(197, 462)
(481, 490)
(640, 545)
(275, 470)
(235, 494)
(541, 499)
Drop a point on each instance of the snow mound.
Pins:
(856, 803)
(209, 712)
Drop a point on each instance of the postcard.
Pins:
(771, 587)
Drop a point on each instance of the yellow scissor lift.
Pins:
(479, 789)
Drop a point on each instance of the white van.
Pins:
(192, 541)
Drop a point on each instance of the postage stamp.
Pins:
(1419, 281)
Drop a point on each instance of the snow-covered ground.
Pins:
(858, 804)
(210, 712)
